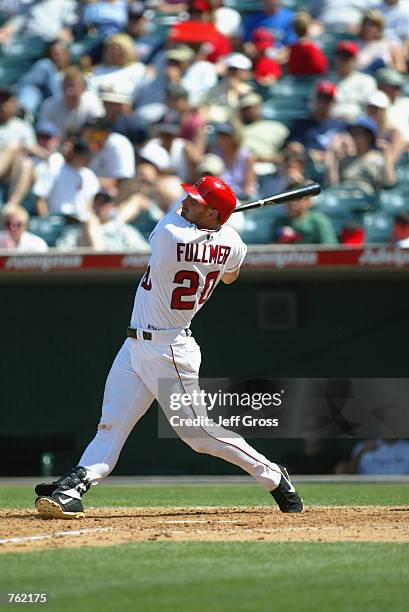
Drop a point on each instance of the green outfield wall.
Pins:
(59, 335)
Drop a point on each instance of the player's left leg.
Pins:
(126, 399)
(178, 368)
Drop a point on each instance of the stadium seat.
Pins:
(48, 228)
(394, 201)
(345, 198)
(145, 223)
(378, 227)
(258, 226)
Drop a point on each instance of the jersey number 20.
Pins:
(191, 289)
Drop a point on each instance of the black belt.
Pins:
(131, 332)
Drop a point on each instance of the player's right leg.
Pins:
(126, 399)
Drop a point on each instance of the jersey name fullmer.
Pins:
(203, 253)
(185, 267)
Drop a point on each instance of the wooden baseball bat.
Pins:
(308, 191)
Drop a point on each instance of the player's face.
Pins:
(201, 215)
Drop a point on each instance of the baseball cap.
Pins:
(200, 5)
(238, 61)
(46, 128)
(225, 128)
(175, 91)
(111, 94)
(326, 88)
(263, 39)
(130, 126)
(347, 46)
(368, 124)
(211, 164)
(389, 76)
(250, 99)
(181, 53)
(156, 155)
(378, 99)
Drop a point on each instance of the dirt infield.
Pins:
(24, 530)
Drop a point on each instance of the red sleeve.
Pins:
(265, 66)
(306, 58)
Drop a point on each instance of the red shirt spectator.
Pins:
(265, 67)
(306, 58)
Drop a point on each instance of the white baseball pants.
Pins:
(144, 370)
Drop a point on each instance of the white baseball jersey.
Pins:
(185, 266)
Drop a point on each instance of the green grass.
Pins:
(221, 495)
(215, 577)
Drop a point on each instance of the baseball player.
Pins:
(192, 250)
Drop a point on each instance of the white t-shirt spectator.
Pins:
(45, 18)
(67, 190)
(352, 95)
(29, 243)
(386, 458)
(55, 111)
(127, 80)
(115, 237)
(116, 159)
(16, 130)
(198, 79)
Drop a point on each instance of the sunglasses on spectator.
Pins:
(15, 224)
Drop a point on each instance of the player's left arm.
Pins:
(229, 277)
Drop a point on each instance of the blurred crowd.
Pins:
(109, 105)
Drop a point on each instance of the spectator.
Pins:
(146, 43)
(290, 171)
(266, 69)
(70, 187)
(353, 87)
(344, 15)
(13, 130)
(22, 165)
(396, 18)
(264, 138)
(117, 104)
(389, 137)
(357, 161)
(317, 131)
(274, 17)
(301, 225)
(224, 97)
(211, 165)
(181, 68)
(44, 19)
(382, 456)
(352, 234)
(306, 58)
(44, 79)
(376, 51)
(391, 82)
(226, 19)
(113, 158)
(102, 229)
(15, 235)
(238, 161)
(106, 16)
(120, 68)
(70, 110)
(192, 119)
(183, 154)
(168, 193)
(400, 234)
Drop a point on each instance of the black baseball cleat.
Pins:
(46, 489)
(59, 506)
(64, 502)
(285, 494)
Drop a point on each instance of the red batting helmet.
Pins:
(214, 192)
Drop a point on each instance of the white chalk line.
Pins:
(47, 536)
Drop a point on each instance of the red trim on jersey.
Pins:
(206, 432)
